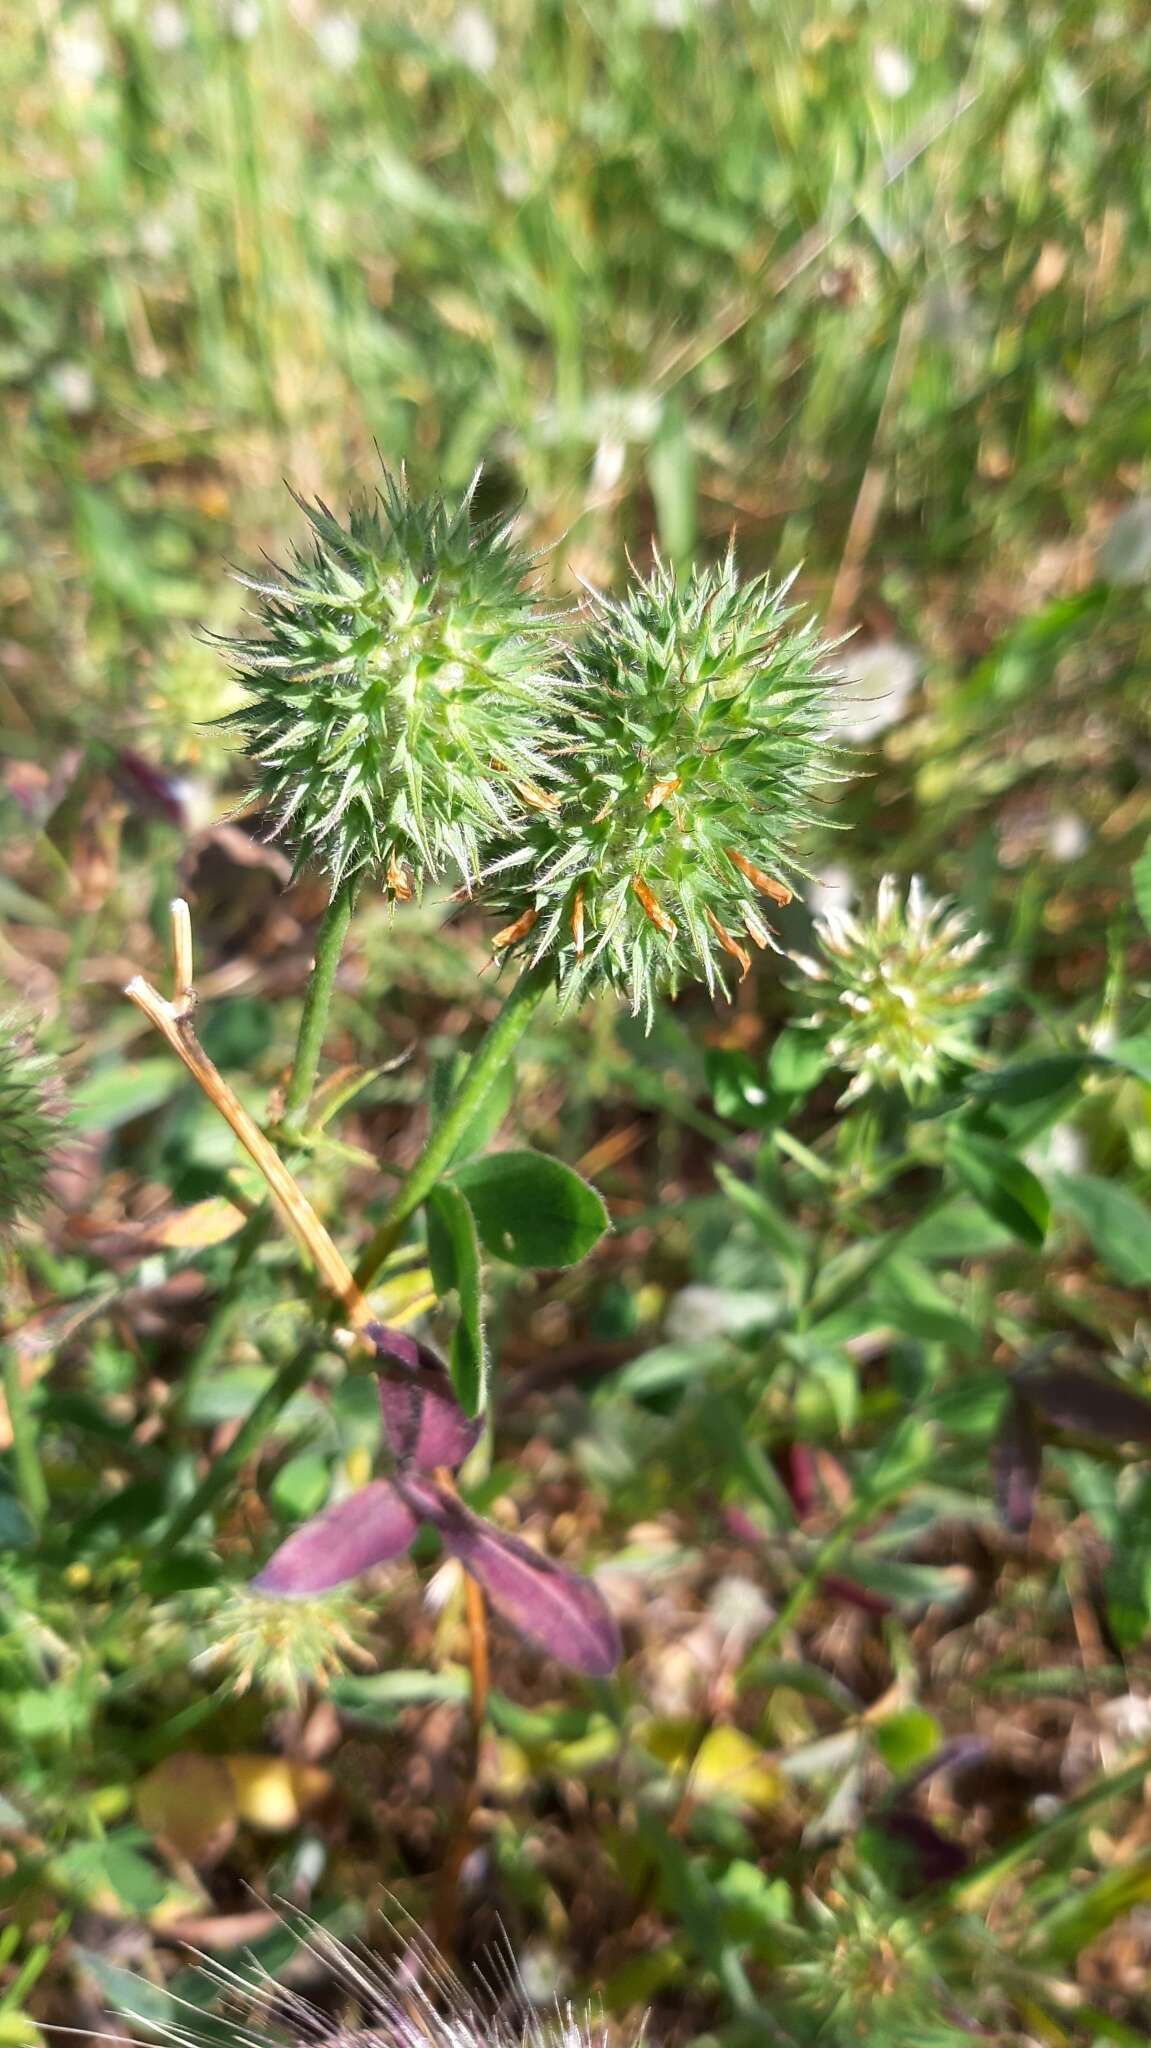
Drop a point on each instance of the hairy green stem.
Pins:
(313, 1023)
(484, 1068)
(31, 1490)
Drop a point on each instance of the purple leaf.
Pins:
(796, 1468)
(150, 788)
(1088, 1403)
(558, 1610)
(1016, 1458)
(925, 1856)
(852, 1594)
(368, 1528)
(424, 1423)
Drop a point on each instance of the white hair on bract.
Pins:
(417, 2001)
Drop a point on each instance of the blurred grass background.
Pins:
(868, 282)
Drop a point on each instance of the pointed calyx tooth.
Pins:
(398, 881)
(512, 932)
(578, 922)
(535, 798)
(651, 909)
(766, 884)
(730, 945)
(665, 787)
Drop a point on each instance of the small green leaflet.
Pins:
(1004, 1186)
(454, 1257)
(531, 1210)
(1116, 1221)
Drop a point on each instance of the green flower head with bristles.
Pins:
(898, 997)
(32, 1111)
(401, 689)
(693, 744)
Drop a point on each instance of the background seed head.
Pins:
(282, 1648)
(693, 746)
(32, 1111)
(898, 996)
(400, 688)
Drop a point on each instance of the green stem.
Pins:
(223, 1469)
(820, 1307)
(313, 1023)
(486, 1064)
(31, 1490)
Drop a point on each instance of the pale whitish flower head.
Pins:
(1128, 1718)
(279, 1648)
(73, 387)
(337, 38)
(79, 51)
(514, 180)
(833, 888)
(168, 26)
(155, 237)
(445, 1583)
(1124, 554)
(607, 468)
(699, 1312)
(1062, 1149)
(898, 996)
(1103, 1034)
(242, 20)
(739, 1612)
(1067, 836)
(877, 681)
(472, 39)
(893, 72)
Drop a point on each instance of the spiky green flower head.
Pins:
(32, 1110)
(898, 996)
(282, 1648)
(866, 1974)
(694, 746)
(400, 688)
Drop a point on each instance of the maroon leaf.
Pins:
(740, 1525)
(368, 1528)
(852, 1594)
(150, 788)
(796, 1468)
(425, 1425)
(1086, 1402)
(1016, 1459)
(559, 1611)
(923, 1855)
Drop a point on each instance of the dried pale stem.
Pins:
(174, 1022)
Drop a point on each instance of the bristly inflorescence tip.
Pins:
(694, 743)
(402, 685)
